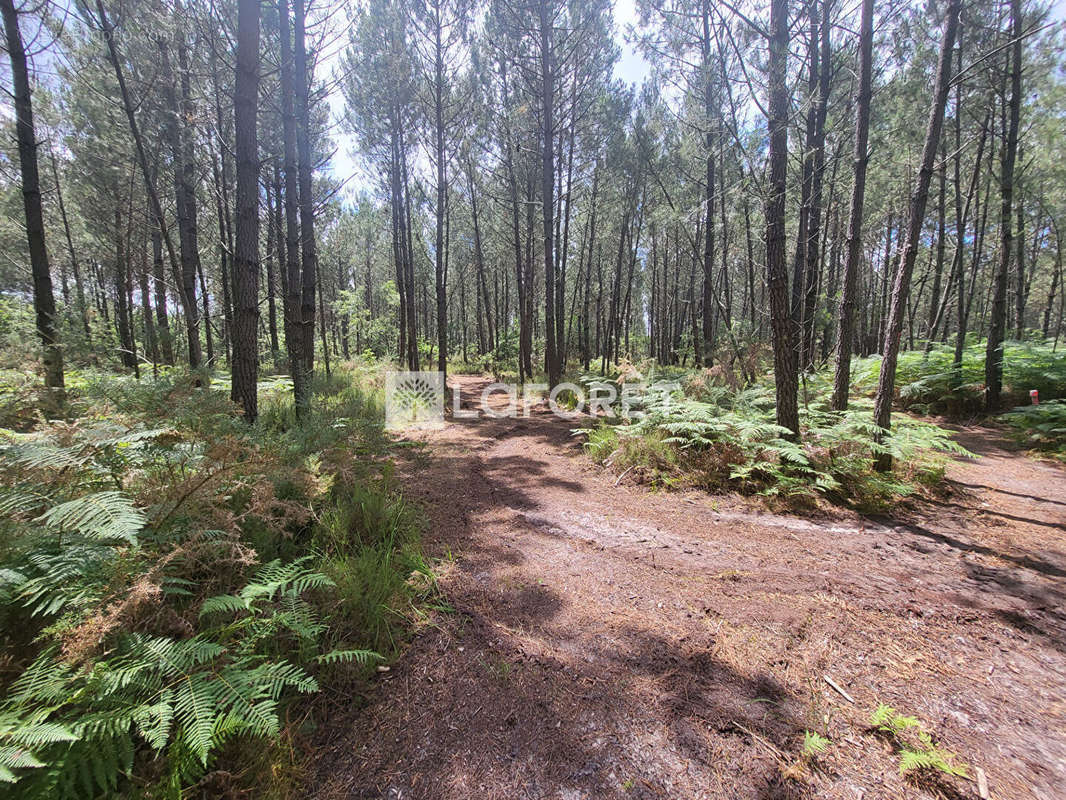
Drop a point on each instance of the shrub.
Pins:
(729, 440)
(1042, 427)
(930, 383)
(143, 631)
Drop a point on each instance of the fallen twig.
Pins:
(837, 686)
(764, 742)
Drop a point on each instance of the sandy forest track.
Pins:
(610, 642)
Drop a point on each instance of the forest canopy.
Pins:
(533, 186)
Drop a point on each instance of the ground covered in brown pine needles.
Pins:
(612, 642)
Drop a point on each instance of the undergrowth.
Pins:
(1041, 427)
(728, 439)
(172, 579)
(929, 383)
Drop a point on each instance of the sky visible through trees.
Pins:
(631, 67)
(538, 186)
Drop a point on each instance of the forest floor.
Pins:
(609, 641)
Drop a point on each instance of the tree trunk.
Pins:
(245, 370)
(44, 304)
(188, 228)
(799, 266)
(812, 250)
(941, 244)
(79, 288)
(1020, 284)
(294, 342)
(846, 312)
(187, 246)
(409, 258)
(479, 263)
(547, 189)
(1056, 278)
(308, 246)
(273, 234)
(781, 320)
(442, 193)
(916, 216)
(126, 353)
(998, 322)
(151, 343)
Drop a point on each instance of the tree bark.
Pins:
(442, 190)
(308, 246)
(1056, 278)
(245, 372)
(846, 311)
(547, 188)
(812, 252)
(998, 321)
(1020, 293)
(44, 304)
(127, 353)
(782, 322)
(187, 246)
(273, 236)
(294, 342)
(916, 216)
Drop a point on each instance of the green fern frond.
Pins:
(17, 502)
(45, 457)
(195, 700)
(101, 515)
(224, 604)
(349, 656)
(813, 744)
(57, 582)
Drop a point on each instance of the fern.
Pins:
(141, 688)
(813, 744)
(349, 656)
(887, 719)
(73, 732)
(103, 515)
(916, 748)
(1042, 427)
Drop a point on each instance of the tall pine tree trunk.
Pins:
(440, 155)
(849, 288)
(998, 321)
(245, 371)
(812, 250)
(294, 341)
(886, 383)
(782, 323)
(190, 256)
(308, 246)
(44, 304)
(547, 188)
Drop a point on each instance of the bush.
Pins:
(729, 440)
(930, 383)
(166, 591)
(1041, 427)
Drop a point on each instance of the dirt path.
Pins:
(610, 642)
